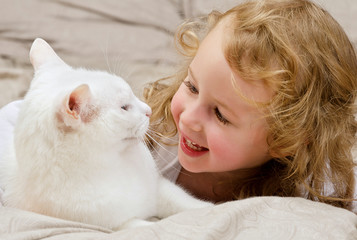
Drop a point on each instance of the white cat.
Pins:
(79, 150)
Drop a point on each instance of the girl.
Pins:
(264, 105)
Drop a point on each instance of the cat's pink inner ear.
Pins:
(77, 105)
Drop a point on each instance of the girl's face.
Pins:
(219, 131)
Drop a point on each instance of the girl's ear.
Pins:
(41, 53)
(76, 107)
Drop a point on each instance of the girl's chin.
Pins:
(189, 164)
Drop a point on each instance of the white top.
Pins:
(167, 160)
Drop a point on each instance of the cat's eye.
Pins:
(191, 87)
(220, 117)
(125, 107)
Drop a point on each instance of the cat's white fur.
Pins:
(78, 153)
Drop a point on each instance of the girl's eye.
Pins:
(220, 116)
(190, 86)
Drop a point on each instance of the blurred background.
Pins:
(132, 38)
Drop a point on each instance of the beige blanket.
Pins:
(255, 218)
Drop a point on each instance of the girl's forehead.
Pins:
(210, 57)
(210, 66)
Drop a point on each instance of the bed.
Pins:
(134, 38)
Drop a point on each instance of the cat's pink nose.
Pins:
(148, 113)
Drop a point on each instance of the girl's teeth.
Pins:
(193, 145)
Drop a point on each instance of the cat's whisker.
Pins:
(160, 145)
(157, 151)
(153, 132)
(120, 67)
(142, 139)
(104, 50)
(172, 143)
(117, 66)
(161, 157)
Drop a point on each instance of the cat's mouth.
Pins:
(130, 139)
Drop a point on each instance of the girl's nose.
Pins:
(192, 119)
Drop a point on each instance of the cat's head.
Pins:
(95, 105)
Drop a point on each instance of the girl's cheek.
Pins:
(226, 152)
(176, 106)
(218, 145)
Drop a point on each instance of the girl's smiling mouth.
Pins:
(190, 148)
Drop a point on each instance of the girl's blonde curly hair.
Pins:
(304, 55)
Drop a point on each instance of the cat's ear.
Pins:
(76, 107)
(42, 53)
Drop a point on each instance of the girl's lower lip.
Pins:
(189, 151)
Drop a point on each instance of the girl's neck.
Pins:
(214, 187)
